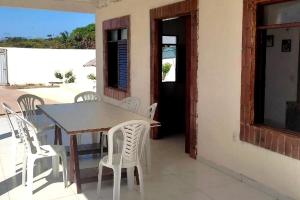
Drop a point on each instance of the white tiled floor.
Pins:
(174, 176)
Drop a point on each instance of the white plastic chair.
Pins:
(131, 103)
(14, 134)
(27, 104)
(150, 114)
(34, 151)
(135, 133)
(87, 96)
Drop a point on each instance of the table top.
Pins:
(76, 118)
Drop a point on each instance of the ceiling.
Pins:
(84, 6)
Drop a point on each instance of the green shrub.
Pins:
(91, 77)
(58, 75)
(68, 74)
(165, 69)
(71, 79)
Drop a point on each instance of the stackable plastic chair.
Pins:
(16, 139)
(35, 151)
(27, 104)
(134, 133)
(131, 103)
(150, 114)
(87, 96)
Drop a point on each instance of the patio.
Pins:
(174, 176)
(262, 161)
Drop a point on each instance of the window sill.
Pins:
(277, 140)
(116, 93)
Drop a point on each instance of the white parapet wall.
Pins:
(34, 66)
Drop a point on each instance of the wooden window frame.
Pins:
(113, 24)
(277, 140)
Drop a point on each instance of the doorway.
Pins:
(3, 67)
(174, 70)
(173, 83)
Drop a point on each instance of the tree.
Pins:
(80, 38)
(165, 69)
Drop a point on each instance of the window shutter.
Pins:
(123, 64)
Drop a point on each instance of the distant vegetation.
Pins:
(80, 38)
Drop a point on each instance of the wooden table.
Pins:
(78, 118)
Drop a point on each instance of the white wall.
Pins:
(219, 85)
(38, 65)
(281, 76)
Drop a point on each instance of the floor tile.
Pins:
(174, 176)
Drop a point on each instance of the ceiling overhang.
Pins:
(84, 6)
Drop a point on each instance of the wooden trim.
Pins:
(276, 140)
(276, 26)
(184, 8)
(112, 24)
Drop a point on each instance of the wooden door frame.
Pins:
(184, 8)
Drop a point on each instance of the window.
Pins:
(116, 57)
(276, 81)
(270, 101)
(169, 58)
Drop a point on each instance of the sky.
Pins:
(30, 23)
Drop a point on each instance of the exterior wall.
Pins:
(139, 12)
(38, 65)
(219, 85)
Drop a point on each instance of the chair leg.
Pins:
(24, 169)
(99, 180)
(130, 177)
(148, 155)
(141, 179)
(117, 184)
(14, 155)
(64, 165)
(55, 166)
(79, 138)
(30, 169)
(101, 145)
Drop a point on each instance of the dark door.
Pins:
(173, 72)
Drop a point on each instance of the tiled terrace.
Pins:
(174, 176)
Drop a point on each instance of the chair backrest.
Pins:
(9, 112)
(27, 104)
(134, 133)
(87, 96)
(28, 133)
(151, 111)
(131, 103)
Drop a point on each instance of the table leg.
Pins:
(74, 163)
(57, 137)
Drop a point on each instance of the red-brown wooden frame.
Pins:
(281, 141)
(112, 24)
(184, 8)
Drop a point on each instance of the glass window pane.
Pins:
(169, 40)
(124, 34)
(169, 63)
(280, 13)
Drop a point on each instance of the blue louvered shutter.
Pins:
(123, 64)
